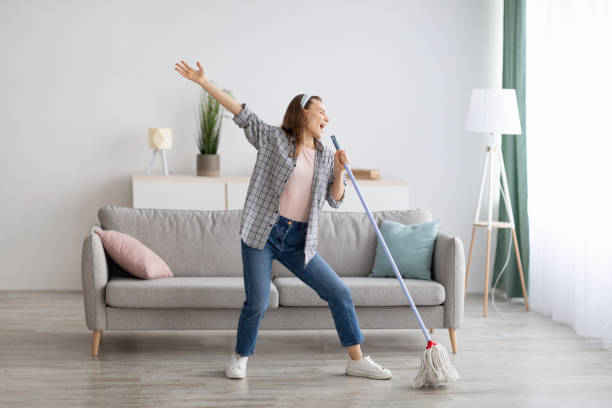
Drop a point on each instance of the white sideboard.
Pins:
(189, 192)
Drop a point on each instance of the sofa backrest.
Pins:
(207, 243)
(347, 240)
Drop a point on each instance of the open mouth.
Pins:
(322, 125)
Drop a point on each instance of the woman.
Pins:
(293, 176)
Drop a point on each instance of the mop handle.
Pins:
(384, 244)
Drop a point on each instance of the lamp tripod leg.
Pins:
(165, 164)
(508, 203)
(467, 271)
(153, 154)
(520, 268)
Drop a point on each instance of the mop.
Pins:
(436, 368)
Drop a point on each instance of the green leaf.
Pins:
(211, 116)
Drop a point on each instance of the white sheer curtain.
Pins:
(569, 162)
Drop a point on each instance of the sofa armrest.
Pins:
(94, 273)
(449, 270)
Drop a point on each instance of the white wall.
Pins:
(81, 83)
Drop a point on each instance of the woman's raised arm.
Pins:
(199, 77)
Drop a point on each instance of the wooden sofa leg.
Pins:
(453, 339)
(96, 342)
(431, 330)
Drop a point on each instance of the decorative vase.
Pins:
(208, 165)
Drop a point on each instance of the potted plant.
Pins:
(211, 114)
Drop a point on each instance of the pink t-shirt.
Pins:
(295, 199)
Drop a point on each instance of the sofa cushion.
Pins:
(411, 247)
(192, 242)
(133, 256)
(180, 292)
(347, 240)
(364, 291)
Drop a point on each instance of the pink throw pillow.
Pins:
(133, 256)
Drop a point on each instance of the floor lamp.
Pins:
(495, 112)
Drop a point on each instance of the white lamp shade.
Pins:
(160, 138)
(493, 111)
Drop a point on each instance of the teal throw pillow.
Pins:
(411, 247)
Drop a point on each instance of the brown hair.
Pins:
(294, 120)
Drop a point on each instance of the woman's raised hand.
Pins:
(196, 76)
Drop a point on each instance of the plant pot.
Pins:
(208, 165)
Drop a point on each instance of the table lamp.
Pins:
(160, 139)
(495, 112)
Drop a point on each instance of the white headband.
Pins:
(305, 99)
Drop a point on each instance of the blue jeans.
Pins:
(286, 244)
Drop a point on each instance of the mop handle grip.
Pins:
(384, 244)
(333, 138)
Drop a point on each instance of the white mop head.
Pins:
(436, 368)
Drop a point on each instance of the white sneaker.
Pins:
(366, 367)
(236, 367)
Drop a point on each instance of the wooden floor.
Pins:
(516, 359)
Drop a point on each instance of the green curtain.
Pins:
(515, 157)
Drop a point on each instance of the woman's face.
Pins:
(316, 118)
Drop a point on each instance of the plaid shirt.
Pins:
(270, 175)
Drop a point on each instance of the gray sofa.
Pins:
(203, 250)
